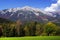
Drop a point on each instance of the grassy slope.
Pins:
(32, 38)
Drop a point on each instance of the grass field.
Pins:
(32, 38)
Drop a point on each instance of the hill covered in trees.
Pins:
(17, 29)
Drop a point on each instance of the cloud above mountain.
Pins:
(53, 7)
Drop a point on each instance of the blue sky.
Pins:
(4, 4)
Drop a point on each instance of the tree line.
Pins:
(18, 29)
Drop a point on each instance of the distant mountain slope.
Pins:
(28, 14)
(2, 20)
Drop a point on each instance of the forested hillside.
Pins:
(17, 29)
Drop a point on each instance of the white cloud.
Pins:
(53, 7)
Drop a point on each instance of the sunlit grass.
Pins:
(32, 38)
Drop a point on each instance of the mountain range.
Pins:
(29, 14)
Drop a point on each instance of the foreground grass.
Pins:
(32, 38)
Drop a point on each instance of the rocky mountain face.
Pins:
(29, 14)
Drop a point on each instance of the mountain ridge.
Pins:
(28, 14)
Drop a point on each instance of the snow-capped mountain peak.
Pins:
(14, 9)
(26, 7)
(25, 13)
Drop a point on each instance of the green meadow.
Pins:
(32, 38)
